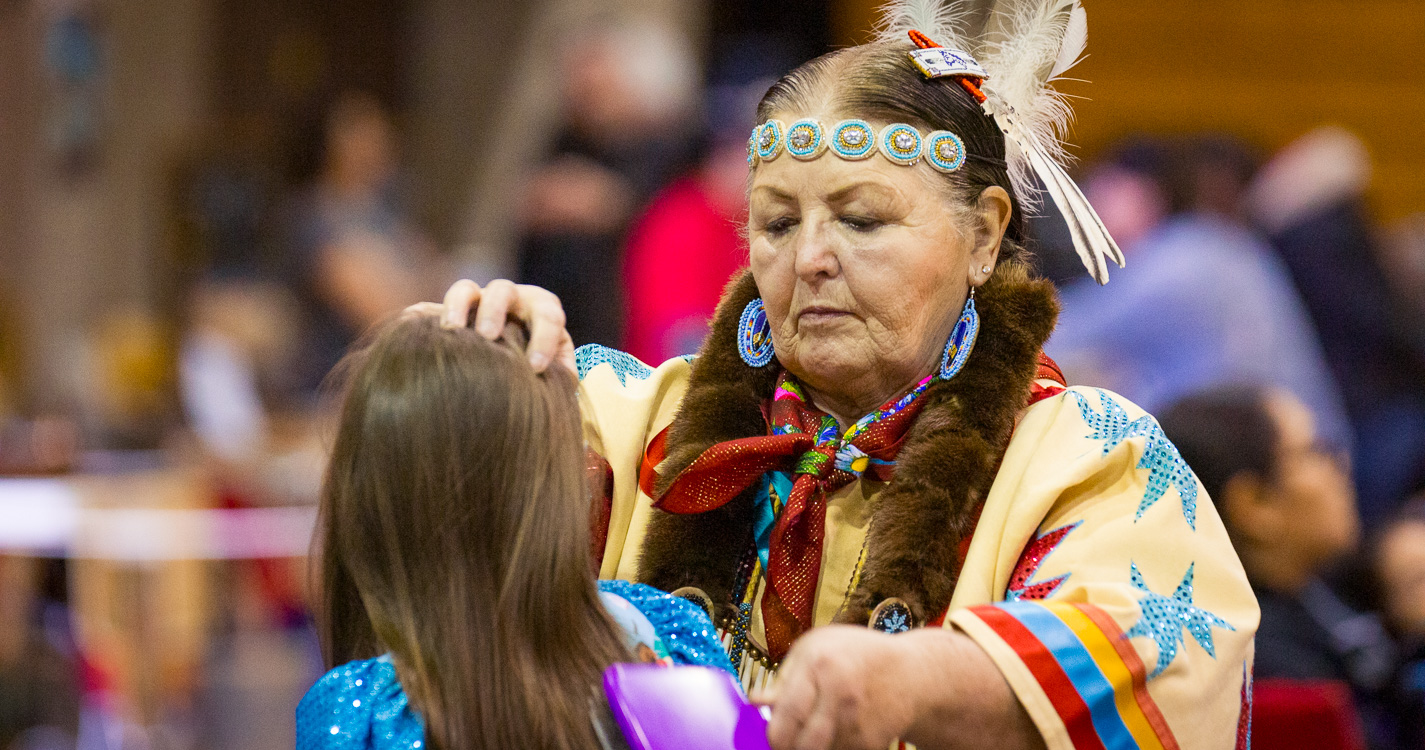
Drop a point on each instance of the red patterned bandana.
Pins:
(809, 444)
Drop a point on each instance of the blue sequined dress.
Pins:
(361, 706)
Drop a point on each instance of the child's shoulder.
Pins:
(363, 675)
(662, 609)
(682, 626)
(359, 704)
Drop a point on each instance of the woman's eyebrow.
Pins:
(870, 188)
(776, 193)
(878, 190)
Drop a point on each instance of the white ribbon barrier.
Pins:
(48, 518)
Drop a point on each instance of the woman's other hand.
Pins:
(837, 689)
(539, 308)
(845, 687)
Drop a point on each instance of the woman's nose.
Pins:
(816, 253)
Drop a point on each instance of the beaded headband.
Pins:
(854, 140)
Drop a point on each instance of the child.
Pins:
(454, 558)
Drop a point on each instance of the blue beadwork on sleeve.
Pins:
(1166, 466)
(625, 365)
(359, 706)
(684, 628)
(1165, 617)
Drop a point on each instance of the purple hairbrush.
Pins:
(682, 708)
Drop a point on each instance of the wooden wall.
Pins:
(1268, 70)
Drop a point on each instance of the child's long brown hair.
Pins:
(454, 533)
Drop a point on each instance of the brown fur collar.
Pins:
(942, 475)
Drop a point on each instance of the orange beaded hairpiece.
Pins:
(1013, 88)
(970, 83)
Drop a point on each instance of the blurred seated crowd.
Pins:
(1274, 328)
(1272, 324)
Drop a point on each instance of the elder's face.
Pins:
(863, 267)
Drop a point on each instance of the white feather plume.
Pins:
(941, 20)
(1076, 38)
(1019, 47)
(1023, 45)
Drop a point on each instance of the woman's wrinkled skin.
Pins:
(864, 267)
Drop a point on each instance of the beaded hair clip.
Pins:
(854, 140)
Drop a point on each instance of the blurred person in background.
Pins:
(354, 257)
(1399, 566)
(688, 244)
(39, 674)
(628, 91)
(1402, 255)
(239, 347)
(1202, 301)
(1289, 508)
(1310, 200)
(457, 600)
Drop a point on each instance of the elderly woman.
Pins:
(871, 435)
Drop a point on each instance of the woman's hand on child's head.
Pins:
(425, 310)
(538, 308)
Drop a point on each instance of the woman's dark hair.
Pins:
(454, 533)
(879, 82)
(1224, 432)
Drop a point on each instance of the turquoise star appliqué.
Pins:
(1165, 617)
(625, 365)
(1166, 465)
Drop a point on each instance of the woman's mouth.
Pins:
(821, 314)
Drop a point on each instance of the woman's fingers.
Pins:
(792, 704)
(425, 309)
(498, 300)
(565, 354)
(831, 693)
(539, 308)
(459, 298)
(548, 339)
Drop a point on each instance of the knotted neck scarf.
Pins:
(808, 444)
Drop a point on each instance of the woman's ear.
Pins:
(995, 208)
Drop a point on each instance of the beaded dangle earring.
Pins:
(754, 335)
(962, 340)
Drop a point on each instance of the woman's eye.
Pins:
(780, 226)
(860, 223)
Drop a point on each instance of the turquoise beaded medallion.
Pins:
(901, 143)
(945, 151)
(853, 139)
(805, 139)
(769, 140)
